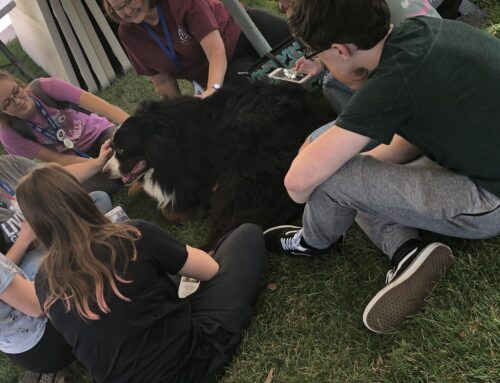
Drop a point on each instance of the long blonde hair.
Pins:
(71, 229)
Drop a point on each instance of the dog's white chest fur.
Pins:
(155, 191)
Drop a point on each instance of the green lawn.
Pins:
(307, 325)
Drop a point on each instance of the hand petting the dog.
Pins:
(86, 169)
(105, 153)
(206, 93)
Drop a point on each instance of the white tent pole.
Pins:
(247, 26)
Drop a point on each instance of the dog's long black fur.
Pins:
(227, 154)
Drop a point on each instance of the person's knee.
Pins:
(340, 184)
(101, 200)
(249, 230)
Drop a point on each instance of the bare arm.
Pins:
(320, 159)
(399, 151)
(166, 85)
(18, 249)
(82, 171)
(21, 295)
(98, 105)
(49, 155)
(214, 49)
(81, 168)
(199, 265)
(86, 169)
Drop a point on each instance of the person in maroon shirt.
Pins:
(196, 40)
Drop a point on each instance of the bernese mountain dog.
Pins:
(226, 155)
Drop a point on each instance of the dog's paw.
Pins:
(135, 189)
(172, 216)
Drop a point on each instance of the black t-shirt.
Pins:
(438, 86)
(152, 338)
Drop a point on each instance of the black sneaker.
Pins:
(407, 286)
(286, 239)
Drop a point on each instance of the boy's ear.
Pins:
(342, 50)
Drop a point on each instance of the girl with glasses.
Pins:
(46, 121)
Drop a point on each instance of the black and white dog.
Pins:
(227, 154)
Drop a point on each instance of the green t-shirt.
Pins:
(438, 86)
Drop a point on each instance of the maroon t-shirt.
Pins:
(189, 21)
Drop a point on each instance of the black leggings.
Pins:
(222, 305)
(50, 354)
(274, 29)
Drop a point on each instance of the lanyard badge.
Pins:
(53, 133)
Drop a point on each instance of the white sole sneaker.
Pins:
(407, 293)
(291, 227)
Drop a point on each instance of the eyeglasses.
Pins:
(16, 92)
(126, 4)
(310, 53)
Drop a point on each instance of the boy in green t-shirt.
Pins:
(428, 87)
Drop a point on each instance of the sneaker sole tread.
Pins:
(391, 305)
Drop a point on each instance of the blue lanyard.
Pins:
(5, 186)
(168, 47)
(51, 132)
(10, 193)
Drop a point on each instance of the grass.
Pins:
(307, 324)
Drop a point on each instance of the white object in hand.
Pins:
(188, 286)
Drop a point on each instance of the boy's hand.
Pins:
(312, 67)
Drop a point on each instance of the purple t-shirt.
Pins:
(81, 128)
(189, 21)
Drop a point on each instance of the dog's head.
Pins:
(129, 160)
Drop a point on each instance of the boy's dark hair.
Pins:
(320, 23)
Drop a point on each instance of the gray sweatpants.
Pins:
(390, 202)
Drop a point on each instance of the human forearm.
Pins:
(98, 105)
(320, 159)
(21, 245)
(114, 113)
(166, 85)
(49, 155)
(217, 65)
(86, 169)
(214, 49)
(21, 295)
(199, 265)
(399, 151)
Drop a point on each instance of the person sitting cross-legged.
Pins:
(26, 336)
(110, 288)
(406, 101)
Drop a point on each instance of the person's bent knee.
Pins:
(248, 232)
(101, 200)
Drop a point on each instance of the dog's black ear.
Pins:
(147, 124)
